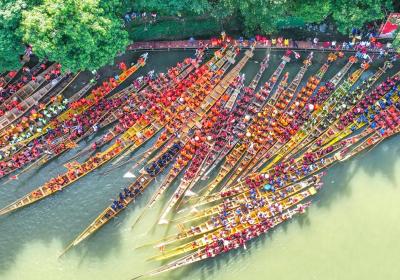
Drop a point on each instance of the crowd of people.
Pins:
(140, 16)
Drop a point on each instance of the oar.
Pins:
(137, 277)
(65, 250)
(139, 217)
(80, 153)
(123, 163)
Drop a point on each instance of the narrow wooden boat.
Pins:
(40, 97)
(347, 103)
(183, 187)
(304, 96)
(107, 88)
(23, 86)
(127, 196)
(137, 135)
(280, 150)
(249, 109)
(112, 116)
(44, 151)
(150, 173)
(236, 242)
(305, 166)
(237, 148)
(267, 122)
(197, 93)
(22, 96)
(340, 129)
(237, 221)
(230, 204)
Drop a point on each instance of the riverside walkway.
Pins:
(299, 45)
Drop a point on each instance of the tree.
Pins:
(310, 11)
(348, 14)
(172, 7)
(10, 39)
(78, 34)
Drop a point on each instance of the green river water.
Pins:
(351, 231)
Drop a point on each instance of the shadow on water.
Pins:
(380, 160)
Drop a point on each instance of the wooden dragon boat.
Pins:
(47, 150)
(96, 95)
(136, 136)
(249, 109)
(24, 98)
(126, 197)
(199, 157)
(194, 169)
(321, 161)
(185, 159)
(23, 85)
(305, 95)
(111, 117)
(41, 98)
(295, 170)
(150, 173)
(236, 241)
(198, 93)
(281, 149)
(238, 220)
(238, 149)
(235, 165)
(269, 116)
(147, 124)
(347, 102)
(340, 129)
(230, 204)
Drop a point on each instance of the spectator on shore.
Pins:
(127, 18)
(315, 42)
(326, 44)
(286, 43)
(333, 44)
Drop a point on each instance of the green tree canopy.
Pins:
(10, 39)
(86, 34)
(356, 13)
(172, 7)
(76, 33)
(396, 42)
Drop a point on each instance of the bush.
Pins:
(175, 29)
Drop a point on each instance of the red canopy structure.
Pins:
(390, 26)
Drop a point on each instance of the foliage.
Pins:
(86, 34)
(10, 39)
(78, 34)
(396, 42)
(172, 7)
(176, 29)
(348, 14)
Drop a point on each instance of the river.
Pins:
(350, 232)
